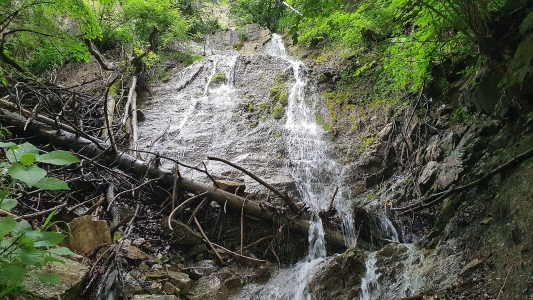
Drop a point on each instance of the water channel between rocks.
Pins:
(194, 116)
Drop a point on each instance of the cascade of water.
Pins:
(369, 284)
(314, 172)
(230, 76)
(213, 71)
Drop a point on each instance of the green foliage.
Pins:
(164, 15)
(218, 78)
(43, 34)
(200, 22)
(191, 59)
(266, 13)
(460, 116)
(279, 93)
(23, 250)
(366, 140)
(277, 112)
(398, 43)
(238, 46)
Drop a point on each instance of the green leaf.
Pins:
(3, 194)
(47, 277)
(30, 175)
(62, 251)
(14, 155)
(21, 228)
(8, 204)
(31, 257)
(45, 239)
(12, 272)
(27, 158)
(6, 225)
(50, 216)
(51, 259)
(52, 184)
(58, 157)
(7, 145)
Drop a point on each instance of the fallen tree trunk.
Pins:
(130, 164)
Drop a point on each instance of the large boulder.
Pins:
(87, 235)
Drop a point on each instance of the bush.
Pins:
(24, 250)
(277, 112)
(218, 78)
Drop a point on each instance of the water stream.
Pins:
(206, 119)
(315, 173)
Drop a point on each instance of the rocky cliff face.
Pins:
(232, 104)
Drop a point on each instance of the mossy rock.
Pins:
(278, 112)
(218, 78)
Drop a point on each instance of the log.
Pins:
(283, 196)
(129, 163)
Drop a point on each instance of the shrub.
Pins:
(24, 250)
(277, 112)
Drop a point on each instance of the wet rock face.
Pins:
(339, 277)
(195, 119)
(210, 287)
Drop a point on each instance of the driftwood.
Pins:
(283, 196)
(127, 162)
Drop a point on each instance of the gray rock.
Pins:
(204, 268)
(428, 174)
(210, 287)
(73, 276)
(87, 235)
(155, 297)
(132, 286)
(185, 236)
(231, 278)
(181, 281)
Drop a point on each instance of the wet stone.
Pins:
(185, 236)
(428, 174)
(181, 281)
(231, 278)
(210, 287)
(155, 297)
(170, 289)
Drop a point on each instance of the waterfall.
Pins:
(315, 173)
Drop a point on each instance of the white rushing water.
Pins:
(207, 119)
(315, 173)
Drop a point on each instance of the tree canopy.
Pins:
(41, 35)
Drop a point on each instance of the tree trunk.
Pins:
(67, 140)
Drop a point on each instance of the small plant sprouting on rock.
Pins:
(218, 77)
(278, 112)
(238, 46)
(366, 140)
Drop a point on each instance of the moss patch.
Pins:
(217, 78)
(366, 140)
(277, 112)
